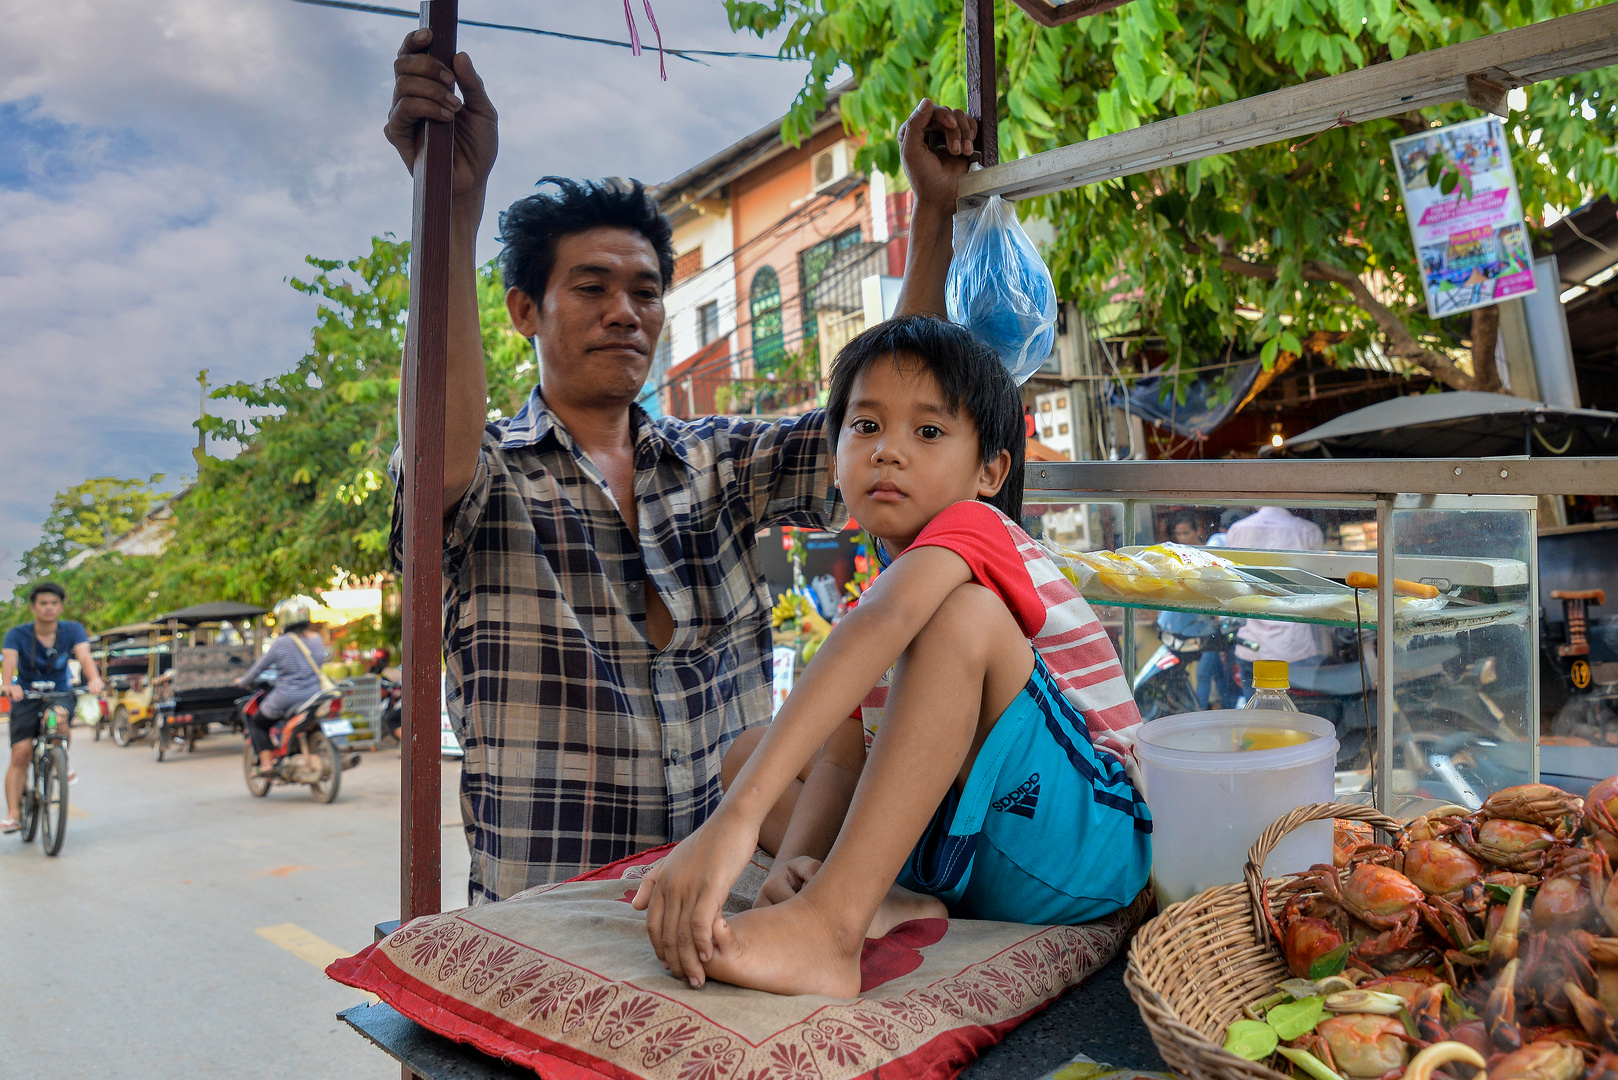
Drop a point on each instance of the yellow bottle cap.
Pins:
(1270, 675)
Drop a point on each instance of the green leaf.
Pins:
(1296, 1018)
(1254, 1040)
(1133, 74)
(1329, 964)
(1290, 343)
(1498, 893)
(1349, 14)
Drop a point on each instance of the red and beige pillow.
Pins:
(562, 979)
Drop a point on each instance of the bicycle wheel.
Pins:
(160, 739)
(120, 726)
(53, 799)
(30, 804)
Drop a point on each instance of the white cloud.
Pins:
(199, 149)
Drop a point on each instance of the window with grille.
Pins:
(764, 308)
(812, 263)
(707, 323)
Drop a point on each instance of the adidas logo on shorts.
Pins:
(1022, 801)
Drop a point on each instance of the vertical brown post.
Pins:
(982, 76)
(426, 354)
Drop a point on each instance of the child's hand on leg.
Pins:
(684, 895)
(786, 878)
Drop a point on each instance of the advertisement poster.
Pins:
(1473, 251)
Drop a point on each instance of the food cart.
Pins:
(1466, 494)
(211, 645)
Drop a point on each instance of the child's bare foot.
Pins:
(902, 906)
(785, 948)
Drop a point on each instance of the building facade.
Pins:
(773, 246)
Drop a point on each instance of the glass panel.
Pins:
(1462, 723)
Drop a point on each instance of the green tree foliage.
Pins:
(88, 515)
(309, 494)
(1240, 250)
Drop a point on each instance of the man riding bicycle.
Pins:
(35, 654)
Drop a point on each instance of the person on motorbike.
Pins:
(295, 657)
(38, 652)
(1215, 668)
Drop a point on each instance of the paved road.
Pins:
(182, 930)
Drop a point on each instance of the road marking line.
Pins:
(305, 946)
(75, 810)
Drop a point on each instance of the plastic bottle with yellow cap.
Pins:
(1270, 685)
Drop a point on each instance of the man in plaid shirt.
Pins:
(606, 622)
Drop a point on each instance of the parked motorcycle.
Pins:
(308, 747)
(1162, 687)
(392, 711)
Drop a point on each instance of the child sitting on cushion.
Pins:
(983, 789)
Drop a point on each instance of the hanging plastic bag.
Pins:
(999, 287)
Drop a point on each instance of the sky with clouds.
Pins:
(165, 166)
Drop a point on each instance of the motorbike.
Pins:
(1162, 687)
(309, 747)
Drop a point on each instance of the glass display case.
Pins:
(1432, 685)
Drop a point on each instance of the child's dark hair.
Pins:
(970, 374)
(531, 227)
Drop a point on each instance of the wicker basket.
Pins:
(1193, 967)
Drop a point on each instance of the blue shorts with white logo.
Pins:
(1048, 830)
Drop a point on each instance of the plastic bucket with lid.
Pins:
(1215, 780)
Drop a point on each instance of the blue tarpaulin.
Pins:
(1196, 416)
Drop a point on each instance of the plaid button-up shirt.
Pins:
(583, 742)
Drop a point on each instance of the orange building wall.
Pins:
(765, 196)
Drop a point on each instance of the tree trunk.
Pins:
(1485, 332)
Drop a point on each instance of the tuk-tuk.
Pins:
(131, 659)
(211, 646)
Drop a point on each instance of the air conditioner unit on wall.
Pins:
(829, 165)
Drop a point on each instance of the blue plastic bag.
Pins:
(999, 287)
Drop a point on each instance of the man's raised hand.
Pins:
(423, 89)
(934, 174)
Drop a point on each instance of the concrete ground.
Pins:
(182, 930)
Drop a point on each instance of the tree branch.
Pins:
(1400, 342)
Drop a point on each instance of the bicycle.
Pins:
(44, 793)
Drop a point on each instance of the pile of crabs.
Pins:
(1482, 946)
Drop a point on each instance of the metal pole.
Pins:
(426, 354)
(982, 76)
(1534, 621)
(1126, 633)
(1385, 646)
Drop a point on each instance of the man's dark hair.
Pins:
(970, 374)
(531, 227)
(47, 587)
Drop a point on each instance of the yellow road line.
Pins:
(305, 946)
(74, 810)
